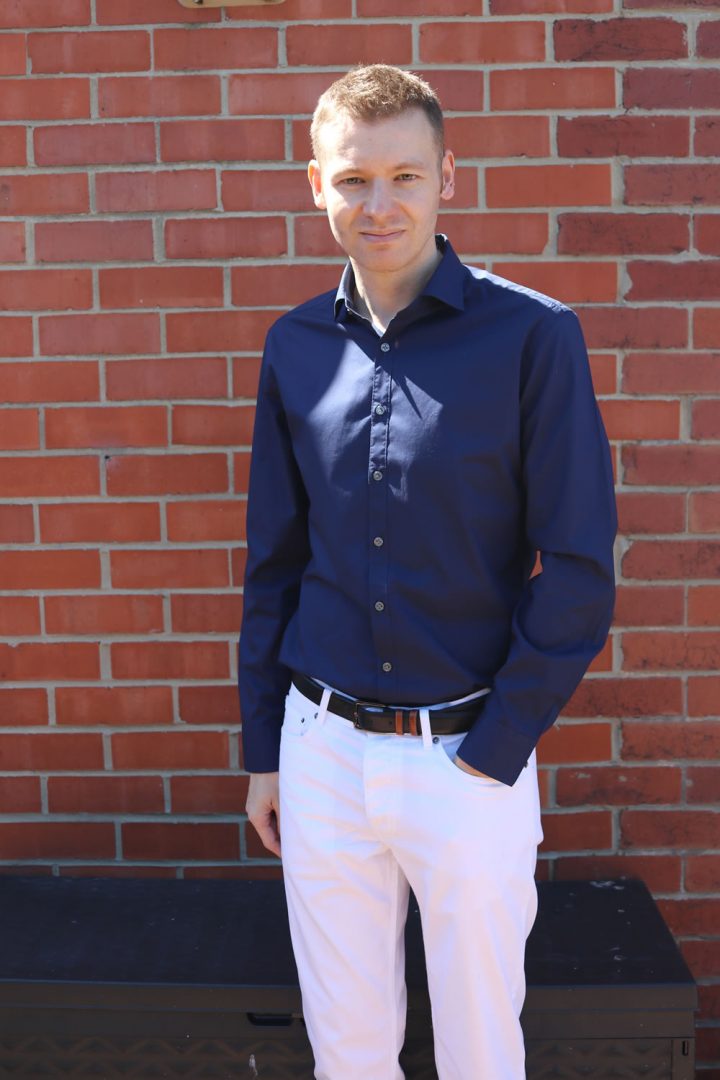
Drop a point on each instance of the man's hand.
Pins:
(468, 768)
(263, 808)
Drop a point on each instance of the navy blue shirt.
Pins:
(400, 488)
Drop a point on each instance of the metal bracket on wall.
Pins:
(227, 3)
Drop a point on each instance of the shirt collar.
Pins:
(446, 283)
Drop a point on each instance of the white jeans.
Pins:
(365, 815)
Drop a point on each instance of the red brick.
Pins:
(166, 474)
(37, 569)
(15, 338)
(55, 381)
(57, 839)
(702, 874)
(498, 136)
(269, 94)
(575, 743)
(166, 378)
(214, 614)
(603, 660)
(622, 234)
(12, 54)
(635, 136)
(12, 146)
(668, 828)
(671, 88)
(705, 510)
(39, 290)
(568, 832)
(707, 136)
(634, 327)
(84, 334)
(20, 795)
(671, 466)
(649, 605)
(280, 285)
(105, 795)
(672, 559)
(410, 8)
(48, 476)
(238, 557)
(103, 614)
(222, 331)
(177, 189)
(245, 377)
(706, 419)
(559, 88)
(20, 615)
(482, 43)
(161, 840)
(360, 43)
(106, 426)
(663, 373)
(295, 10)
(658, 651)
(109, 12)
(23, 707)
(160, 95)
(212, 425)
(162, 286)
(617, 786)
(202, 568)
(222, 140)
(686, 280)
(170, 749)
(570, 282)
(216, 48)
(54, 752)
(706, 328)
(44, 99)
(91, 144)
(91, 51)
(208, 794)
(93, 241)
(619, 39)
(539, 7)
(61, 193)
(313, 238)
(12, 242)
(671, 740)
(703, 784)
(16, 524)
(225, 238)
(51, 662)
(641, 419)
(548, 185)
(266, 189)
(704, 700)
(25, 14)
(655, 185)
(113, 706)
(704, 606)
(625, 696)
(707, 233)
(650, 512)
(209, 704)
(19, 429)
(82, 522)
(708, 39)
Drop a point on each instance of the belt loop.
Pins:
(324, 700)
(426, 729)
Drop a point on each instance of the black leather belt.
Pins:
(403, 720)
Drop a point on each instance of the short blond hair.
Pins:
(375, 92)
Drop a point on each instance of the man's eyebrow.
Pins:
(403, 166)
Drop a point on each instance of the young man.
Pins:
(421, 434)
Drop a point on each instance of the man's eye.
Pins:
(352, 180)
(407, 176)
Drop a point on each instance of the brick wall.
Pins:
(155, 218)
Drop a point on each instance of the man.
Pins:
(421, 434)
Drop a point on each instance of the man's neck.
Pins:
(379, 297)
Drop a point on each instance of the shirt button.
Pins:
(377, 475)
(379, 410)
(378, 541)
(379, 606)
(385, 347)
(387, 666)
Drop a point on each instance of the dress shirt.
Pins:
(401, 486)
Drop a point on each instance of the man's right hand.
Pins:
(263, 808)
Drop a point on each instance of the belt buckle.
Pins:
(376, 707)
(365, 706)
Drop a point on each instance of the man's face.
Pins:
(381, 183)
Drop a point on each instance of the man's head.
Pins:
(380, 167)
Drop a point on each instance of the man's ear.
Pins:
(447, 170)
(316, 184)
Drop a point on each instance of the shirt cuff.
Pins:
(496, 749)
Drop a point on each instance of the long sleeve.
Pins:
(278, 552)
(564, 613)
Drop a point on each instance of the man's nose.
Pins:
(378, 199)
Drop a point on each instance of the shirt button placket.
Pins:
(379, 498)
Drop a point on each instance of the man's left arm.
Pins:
(564, 613)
